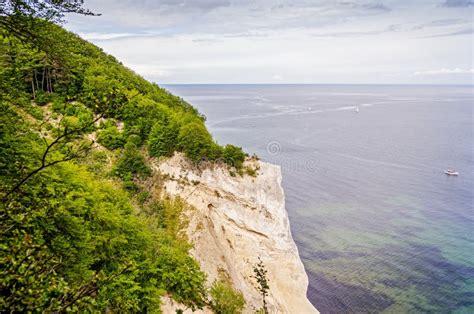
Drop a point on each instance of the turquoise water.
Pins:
(379, 226)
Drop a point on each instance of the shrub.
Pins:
(70, 122)
(35, 112)
(134, 139)
(42, 98)
(233, 156)
(22, 101)
(215, 152)
(82, 115)
(169, 214)
(131, 163)
(107, 123)
(251, 171)
(111, 138)
(58, 105)
(143, 197)
(225, 299)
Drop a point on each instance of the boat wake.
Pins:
(289, 110)
(379, 162)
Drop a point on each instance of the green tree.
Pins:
(195, 141)
(72, 242)
(162, 139)
(131, 163)
(233, 156)
(180, 276)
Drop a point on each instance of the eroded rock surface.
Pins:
(236, 220)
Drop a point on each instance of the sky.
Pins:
(286, 41)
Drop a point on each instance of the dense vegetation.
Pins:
(78, 229)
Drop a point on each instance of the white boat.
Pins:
(451, 172)
(357, 109)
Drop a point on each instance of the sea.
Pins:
(379, 226)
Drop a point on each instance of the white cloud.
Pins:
(150, 70)
(445, 71)
(289, 41)
(104, 36)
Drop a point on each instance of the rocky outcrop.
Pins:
(237, 219)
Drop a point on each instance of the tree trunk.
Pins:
(42, 78)
(36, 81)
(33, 87)
(50, 82)
(47, 80)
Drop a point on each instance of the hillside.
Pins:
(90, 222)
(79, 229)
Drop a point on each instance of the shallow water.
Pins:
(378, 224)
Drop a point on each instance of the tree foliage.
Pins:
(162, 139)
(111, 137)
(131, 163)
(195, 141)
(43, 9)
(67, 237)
(233, 156)
(71, 240)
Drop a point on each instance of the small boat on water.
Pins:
(357, 109)
(451, 172)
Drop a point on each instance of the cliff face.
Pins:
(236, 220)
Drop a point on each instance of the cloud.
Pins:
(182, 6)
(467, 31)
(445, 71)
(458, 3)
(388, 29)
(150, 70)
(228, 41)
(185, 5)
(229, 16)
(376, 7)
(105, 36)
(440, 23)
(330, 6)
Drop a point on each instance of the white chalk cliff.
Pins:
(235, 220)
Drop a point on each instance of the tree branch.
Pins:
(44, 164)
(95, 288)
